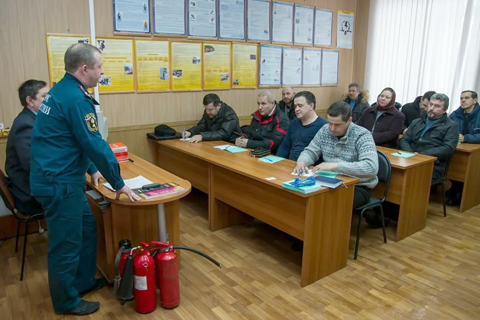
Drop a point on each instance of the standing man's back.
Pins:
(17, 164)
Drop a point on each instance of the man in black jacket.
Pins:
(357, 99)
(286, 105)
(433, 134)
(414, 109)
(17, 165)
(219, 122)
(268, 127)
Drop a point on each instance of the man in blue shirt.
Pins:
(66, 144)
(302, 129)
(467, 116)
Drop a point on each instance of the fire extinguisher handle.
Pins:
(144, 244)
(161, 244)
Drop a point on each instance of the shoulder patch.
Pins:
(91, 122)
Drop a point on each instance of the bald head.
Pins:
(80, 54)
(287, 95)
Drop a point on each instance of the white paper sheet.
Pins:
(134, 183)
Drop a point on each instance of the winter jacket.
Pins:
(290, 113)
(224, 126)
(472, 135)
(267, 132)
(360, 105)
(412, 111)
(387, 128)
(440, 140)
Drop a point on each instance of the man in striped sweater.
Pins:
(346, 148)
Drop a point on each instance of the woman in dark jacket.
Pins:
(384, 120)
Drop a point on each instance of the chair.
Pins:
(26, 219)
(384, 173)
(441, 181)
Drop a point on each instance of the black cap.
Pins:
(164, 130)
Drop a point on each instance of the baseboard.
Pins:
(8, 227)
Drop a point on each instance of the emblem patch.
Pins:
(91, 121)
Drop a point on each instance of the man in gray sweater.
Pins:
(346, 148)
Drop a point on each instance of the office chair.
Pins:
(441, 181)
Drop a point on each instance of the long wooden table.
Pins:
(136, 221)
(410, 189)
(465, 167)
(236, 184)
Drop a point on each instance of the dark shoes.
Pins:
(454, 202)
(84, 308)
(101, 282)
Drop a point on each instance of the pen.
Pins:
(131, 160)
(268, 159)
(399, 152)
(184, 133)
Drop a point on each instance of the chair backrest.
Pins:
(6, 194)
(447, 166)
(384, 172)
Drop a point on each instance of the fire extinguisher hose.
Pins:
(200, 253)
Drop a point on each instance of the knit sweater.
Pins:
(355, 153)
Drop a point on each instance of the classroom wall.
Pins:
(131, 115)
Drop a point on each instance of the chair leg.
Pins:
(383, 224)
(443, 200)
(24, 249)
(18, 234)
(357, 240)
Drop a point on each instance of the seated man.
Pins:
(302, 129)
(357, 99)
(268, 127)
(415, 109)
(219, 122)
(17, 165)
(286, 105)
(468, 119)
(433, 134)
(346, 148)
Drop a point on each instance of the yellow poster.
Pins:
(118, 71)
(216, 66)
(244, 66)
(153, 72)
(56, 47)
(186, 66)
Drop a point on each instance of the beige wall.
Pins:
(24, 55)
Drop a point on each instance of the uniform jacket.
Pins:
(66, 140)
(267, 133)
(224, 126)
(388, 127)
(412, 111)
(473, 118)
(440, 140)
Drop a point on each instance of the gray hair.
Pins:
(268, 94)
(356, 85)
(79, 54)
(441, 97)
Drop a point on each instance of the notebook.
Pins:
(271, 159)
(329, 182)
(306, 189)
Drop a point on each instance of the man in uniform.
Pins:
(65, 145)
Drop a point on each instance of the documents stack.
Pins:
(120, 150)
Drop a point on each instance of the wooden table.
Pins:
(236, 184)
(410, 189)
(465, 167)
(137, 221)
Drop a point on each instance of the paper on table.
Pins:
(328, 174)
(309, 173)
(403, 154)
(271, 159)
(185, 139)
(230, 148)
(223, 146)
(134, 183)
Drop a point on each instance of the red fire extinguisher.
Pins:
(166, 263)
(144, 292)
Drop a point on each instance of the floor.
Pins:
(434, 274)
